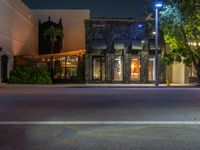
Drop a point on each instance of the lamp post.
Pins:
(157, 6)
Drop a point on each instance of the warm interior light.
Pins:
(193, 44)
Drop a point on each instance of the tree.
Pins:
(180, 22)
(52, 34)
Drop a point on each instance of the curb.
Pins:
(94, 86)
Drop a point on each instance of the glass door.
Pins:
(152, 68)
(118, 69)
(97, 68)
(135, 68)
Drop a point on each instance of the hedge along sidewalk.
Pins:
(97, 85)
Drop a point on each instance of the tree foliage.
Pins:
(180, 22)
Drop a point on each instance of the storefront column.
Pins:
(109, 67)
(127, 67)
(144, 63)
(88, 68)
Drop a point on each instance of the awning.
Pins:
(136, 45)
(152, 44)
(66, 53)
(99, 44)
(119, 45)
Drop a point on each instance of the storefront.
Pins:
(65, 67)
(120, 51)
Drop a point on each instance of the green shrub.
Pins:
(30, 75)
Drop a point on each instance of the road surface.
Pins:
(99, 104)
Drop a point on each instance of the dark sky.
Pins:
(99, 8)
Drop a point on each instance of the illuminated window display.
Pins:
(118, 69)
(65, 67)
(97, 64)
(152, 67)
(135, 68)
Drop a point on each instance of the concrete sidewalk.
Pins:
(100, 85)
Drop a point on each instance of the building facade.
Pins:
(18, 34)
(115, 50)
(72, 24)
(45, 46)
(121, 51)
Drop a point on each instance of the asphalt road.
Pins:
(99, 104)
(84, 137)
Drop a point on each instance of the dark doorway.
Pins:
(4, 69)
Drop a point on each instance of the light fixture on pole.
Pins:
(157, 6)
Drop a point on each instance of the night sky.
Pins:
(99, 8)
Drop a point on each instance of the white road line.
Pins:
(99, 122)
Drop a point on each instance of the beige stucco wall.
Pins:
(73, 25)
(18, 30)
(179, 73)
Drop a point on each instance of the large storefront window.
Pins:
(97, 68)
(66, 68)
(118, 69)
(152, 67)
(135, 68)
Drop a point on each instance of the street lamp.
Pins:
(157, 6)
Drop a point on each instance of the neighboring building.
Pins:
(73, 25)
(18, 34)
(121, 51)
(45, 46)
